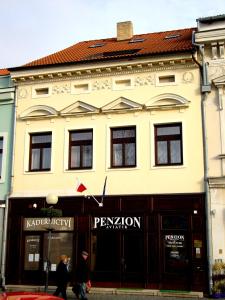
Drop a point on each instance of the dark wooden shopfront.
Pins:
(167, 250)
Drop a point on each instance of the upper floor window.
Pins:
(123, 147)
(40, 151)
(168, 144)
(1, 155)
(80, 149)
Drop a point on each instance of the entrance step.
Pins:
(112, 291)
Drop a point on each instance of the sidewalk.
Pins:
(118, 293)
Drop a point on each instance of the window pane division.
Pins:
(168, 144)
(123, 147)
(80, 149)
(40, 151)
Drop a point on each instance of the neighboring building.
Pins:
(210, 37)
(128, 108)
(6, 143)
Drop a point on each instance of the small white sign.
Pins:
(53, 267)
(36, 257)
(31, 257)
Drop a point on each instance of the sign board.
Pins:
(116, 223)
(40, 224)
(175, 240)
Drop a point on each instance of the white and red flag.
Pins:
(81, 187)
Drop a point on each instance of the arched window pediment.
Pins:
(167, 101)
(39, 111)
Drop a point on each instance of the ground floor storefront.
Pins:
(149, 241)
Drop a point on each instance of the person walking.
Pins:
(82, 276)
(62, 277)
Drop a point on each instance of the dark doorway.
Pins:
(175, 253)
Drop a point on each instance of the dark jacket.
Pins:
(62, 274)
(82, 271)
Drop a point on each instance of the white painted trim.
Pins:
(158, 75)
(41, 86)
(80, 82)
(116, 87)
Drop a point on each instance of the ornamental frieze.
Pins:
(102, 85)
(188, 77)
(61, 89)
(140, 81)
(23, 92)
(216, 71)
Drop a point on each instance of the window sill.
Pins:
(38, 172)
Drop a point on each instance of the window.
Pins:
(123, 147)
(1, 155)
(168, 144)
(80, 149)
(40, 151)
(97, 45)
(42, 91)
(166, 79)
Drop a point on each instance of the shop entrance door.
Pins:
(175, 255)
(132, 259)
(117, 258)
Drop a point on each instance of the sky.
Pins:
(31, 29)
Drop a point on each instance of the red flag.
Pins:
(81, 188)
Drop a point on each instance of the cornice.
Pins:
(216, 182)
(65, 74)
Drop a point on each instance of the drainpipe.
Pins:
(205, 90)
(4, 242)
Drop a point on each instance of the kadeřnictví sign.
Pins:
(37, 224)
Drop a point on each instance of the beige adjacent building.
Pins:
(210, 38)
(127, 108)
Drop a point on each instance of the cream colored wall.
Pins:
(145, 178)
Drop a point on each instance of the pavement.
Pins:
(120, 294)
(133, 297)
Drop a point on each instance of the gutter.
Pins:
(205, 90)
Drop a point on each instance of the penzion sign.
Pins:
(117, 223)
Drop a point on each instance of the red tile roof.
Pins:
(4, 72)
(174, 41)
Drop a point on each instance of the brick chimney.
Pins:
(124, 31)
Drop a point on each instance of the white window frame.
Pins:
(27, 150)
(116, 87)
(4, 135)
(166, 83)
(66, 148)
(42, 86)
(76, 83)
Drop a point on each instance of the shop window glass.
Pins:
(80, 149)
(32, 252)
(40, 151)
(60, 243)
(174, 222)
(123, 147)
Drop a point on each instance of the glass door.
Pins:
(175, 253)
(132, 259)
(105, 256)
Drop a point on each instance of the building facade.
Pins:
(210, 38)
(127, 109)
(6, 145)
